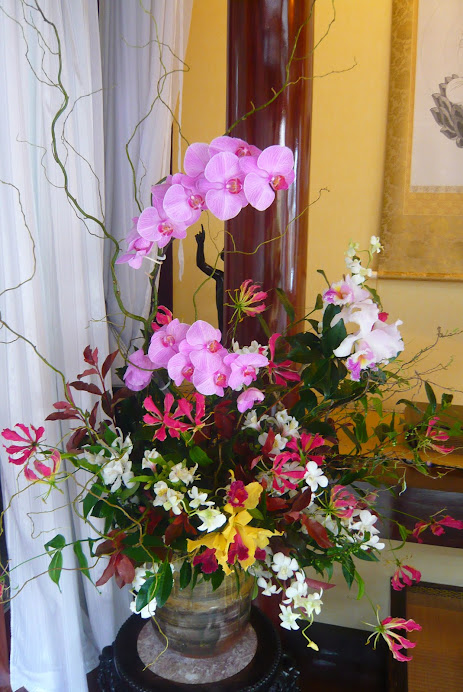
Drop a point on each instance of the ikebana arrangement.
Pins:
(216, 458)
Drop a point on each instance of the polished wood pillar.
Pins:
(261, 38)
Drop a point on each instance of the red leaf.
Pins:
(90, 371)
(106, 404)
(315, 584)
(108, 362)
(316, 531)
(122, 393)
(76, 438)
(62, 404)
(274, 504)
(88, 356)
(125, 571)
(291, 516)
(108, 573)
(92, 419)
(302, 501)
(86, 387)
(62, 415)
(173, 531)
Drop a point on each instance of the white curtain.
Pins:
(52, 292)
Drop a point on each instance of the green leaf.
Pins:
(185, 574)
(286, 303)
(431, 397)
(82, 560)
(366, 556)
(361, 585)
(330, 312)
(403, 532)
(109, 435)
(128, 492)
(56, 543)
(256, 513)
(378, 406)
(264, 326)
(348, 570)
(91, 499)
(318, 302)
(146, 593)
(199, 456)
(217, 578)
(446, 400)
(143, 479)
(55, 567)
(164, 584)
(333, 337)
(320, 271)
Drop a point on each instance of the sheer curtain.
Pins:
(52, 292)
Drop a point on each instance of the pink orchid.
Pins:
(210, 375)
(19, 454)
(405, 576)
(203, 336)
(154, 225)
(437, 527)
(165, 342)
(237, 494)
(272, 171)
(342, 502)
(280, 371)
(167, 421)
(224, 186)
(207, 560)
(234, 145)
(437, 436)
(137, 249)
(139, 371)
(184, 201)
(180, 368)
(345, 292)
(244, 368)
(394, 640)
(197, 157)
(362, 359)
(248, 398)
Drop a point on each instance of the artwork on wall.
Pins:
(422, 217)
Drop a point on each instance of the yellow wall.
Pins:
(348, 143)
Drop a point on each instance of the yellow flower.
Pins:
(247, 538)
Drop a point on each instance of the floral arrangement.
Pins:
(226, 457)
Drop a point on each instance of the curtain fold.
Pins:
(52, 268)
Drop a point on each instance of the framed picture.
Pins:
(422, 216)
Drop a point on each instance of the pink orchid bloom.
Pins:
(437, 436)
(137, 249)
(405, 576)
(248, 398)
(437, 527)
(272, 171)
(29, 441)
(154, 225)
(163, 317)
(234, 145)
(244, 368)
(184, 201)
(237, 494)
(203, 336)
(167, 421)
(224, 186)
(362, 359)
(197, 156)
(345, 292)
(139, 371)
(180, 368)
(342, 502)
(394, 640)
(280, 371)
(207, 560)
(210, 375)
(165, 342)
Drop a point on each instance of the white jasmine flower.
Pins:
(149, 460)
(180, 473)
(375, 245)
(173, 500)
(284, 566)
(373, 542)
(257, 570)
(212, 519)
(268, 588)
(146, 612)
(288, 618)
(352, 249)
(198, 498)
(279, 442)
(297, 589)
(141, 574)
(288, 425)
(160, 488)
(314, 476)
(311, 604)
(253, 348)
(116, 471)
(366, 521)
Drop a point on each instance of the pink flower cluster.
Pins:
(223, 177)
(194, 353)
(27, 451)
(373, 341)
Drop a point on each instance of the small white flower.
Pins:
(375, 245)
(141, 574)
(179, 473)
(253, 348)
(288, 618)
(149, 460)
(173, 500)
(352, 249)
(146, 612)
(311, 603)
(198, 498)
(288, 425)
(284, 566)
(298, 588)
(314, 476)
(279, 442)
(268, 588)
(160, 488)
(212, 519)
(366, 522)
(373, 542)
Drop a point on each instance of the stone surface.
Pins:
(173, 666)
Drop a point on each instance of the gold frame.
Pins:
(422, 230)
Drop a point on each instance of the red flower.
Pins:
(163, 317)
(166, 420)
(247, 300)
(395, 641)
(437, 527)
(207, 560)
(238, 550)
(405, 576)
(28, 443)
(343, 502)
(237, 495)
(280, 371)
(437, 436)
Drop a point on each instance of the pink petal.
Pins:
(196, 158)
(176, 367)
(276, 160)
(148, 224)
(176, 203)
(222, 167)
(202, 333)
(223, 205)
(258, 192)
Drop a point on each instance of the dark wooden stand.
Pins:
(122, 670)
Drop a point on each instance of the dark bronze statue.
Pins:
(213, 272)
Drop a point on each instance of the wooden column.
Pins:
(261, 38)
